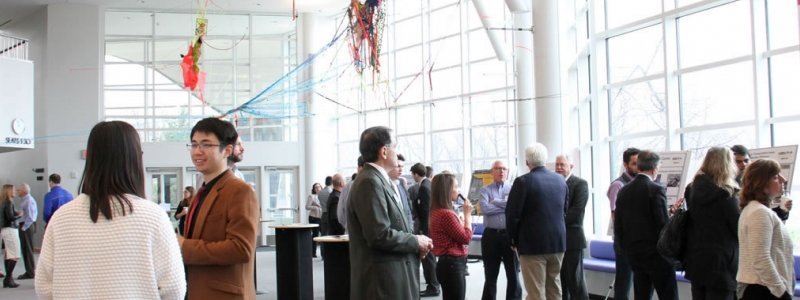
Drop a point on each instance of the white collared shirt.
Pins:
(394, 186)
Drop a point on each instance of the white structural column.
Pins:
(305, 40)
(547, 76)
(523, 63)
(319, 131)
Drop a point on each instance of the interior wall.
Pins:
(18, 165)
(67, 51)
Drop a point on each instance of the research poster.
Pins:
(673, 173)
(786, 157)
(480, 178)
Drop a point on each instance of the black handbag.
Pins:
(673, 238)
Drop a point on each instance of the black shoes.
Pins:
(9, 283)
(429, 292)
(25, 276)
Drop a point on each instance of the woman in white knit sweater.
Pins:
(765, 249)
(109, 242)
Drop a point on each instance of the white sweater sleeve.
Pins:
(44, 267)
(168, 262)
(759, 241)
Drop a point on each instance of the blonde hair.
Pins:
(7, 193)
(720, 167)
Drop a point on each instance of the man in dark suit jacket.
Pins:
(640, 215)
(220, 232)
(422, 210)
(384, 254)
(334, 227)
(535, 225)
(573, 283)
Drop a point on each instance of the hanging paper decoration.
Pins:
(367, 22)
(193, 76)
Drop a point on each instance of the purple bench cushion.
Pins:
(602, 249)
(477, 231)
(603, 259)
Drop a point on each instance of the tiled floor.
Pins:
(266, 281)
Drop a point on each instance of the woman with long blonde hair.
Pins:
(713, 245)
(9, 234)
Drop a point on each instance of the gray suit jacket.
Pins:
(384, 261)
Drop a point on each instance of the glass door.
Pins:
(164, 187)
(280, 204)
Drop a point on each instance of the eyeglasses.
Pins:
(202, 146)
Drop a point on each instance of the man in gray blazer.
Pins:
(384, 253)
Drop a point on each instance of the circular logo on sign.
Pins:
(18, 126)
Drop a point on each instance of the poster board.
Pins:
(480, 178)
(786, 156)
(673, 173)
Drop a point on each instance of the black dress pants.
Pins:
(496, 249)
(314, 233)
(707, 292)
(650, 270)
(623, 278)
(573, 283)
(26, 243)
(760, 292)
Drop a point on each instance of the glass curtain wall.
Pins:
(680, 76)
(441, 88)
(242, 54)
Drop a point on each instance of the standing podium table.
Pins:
(337, 265)
(293, 259)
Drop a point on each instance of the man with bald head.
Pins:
(495, 244)
(27, 228)
(573, 283)
(334, 227)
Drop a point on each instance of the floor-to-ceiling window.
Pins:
(681, 75)
(441, 88)
(242, 54)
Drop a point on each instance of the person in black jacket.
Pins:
(640, 215)
(334, 227)
(573, 282)
(422, 210)
(9, 233)
(713, 244)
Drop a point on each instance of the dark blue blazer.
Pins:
(640, 215)
(535, 213)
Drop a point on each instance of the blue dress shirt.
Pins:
(493, 204)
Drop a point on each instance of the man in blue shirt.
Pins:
(55, 198)
(29, 212)
(495, 244)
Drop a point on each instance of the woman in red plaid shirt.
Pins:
(450, 236)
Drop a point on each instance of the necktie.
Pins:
(192, 209)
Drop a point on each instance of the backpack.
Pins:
(673, 238)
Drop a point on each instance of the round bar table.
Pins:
(337, 265)
(293, 259)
